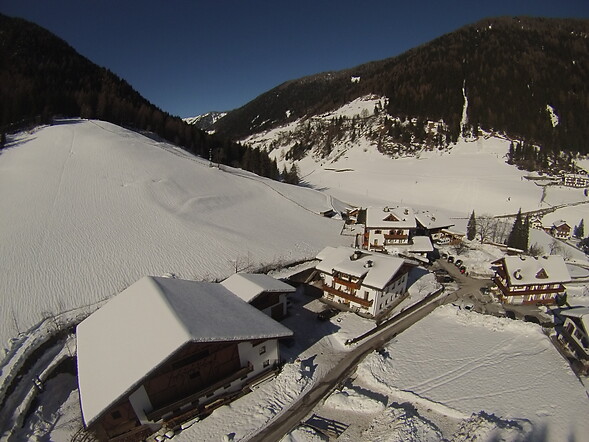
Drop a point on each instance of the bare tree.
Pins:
(536, 250)
(485, 227)
(555, 247)
(460, 248)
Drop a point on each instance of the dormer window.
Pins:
(541, 274)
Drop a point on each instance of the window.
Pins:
(194, 374)
(262, 349)
(116, 414)
(266, 363)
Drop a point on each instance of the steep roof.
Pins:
(376, 269)
(390, 217)
(430, 220)
(581, 313)
(141, 327)
(249, 285)
(527, 270)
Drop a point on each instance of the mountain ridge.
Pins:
(509, 68)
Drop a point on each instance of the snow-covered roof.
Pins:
(526, 270)
(430, 220)
(581, 313)
(249, 285)
(390, 217)
(560, 223)
(376, 269)
(141, 327)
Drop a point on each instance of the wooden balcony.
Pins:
(388, 236)
(349, 284)
(157, 414)
(363, 302)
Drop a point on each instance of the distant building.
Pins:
(561, 230)
(575, 180)
(528, 280)
(574, 333)
(265, 293)
(362, 281)
(165, 350)
(536, 222)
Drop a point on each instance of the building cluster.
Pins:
(165, 350)
(559, 229)
(401, 231)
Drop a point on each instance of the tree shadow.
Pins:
(415, 274)
(303, 321)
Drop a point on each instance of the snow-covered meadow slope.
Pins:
(87, 208)
(469, 175)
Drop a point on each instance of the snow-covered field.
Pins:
(87, 208)
(460, 369)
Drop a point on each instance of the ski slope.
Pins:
(87, 208)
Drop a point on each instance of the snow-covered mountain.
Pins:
(205, 121)
(87, 208)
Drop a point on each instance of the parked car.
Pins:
(450, 259)
(463, 269)
(326, 314)
(458, 262)
(447, 279)
(444, 255)
(441, 272)
(468, 307)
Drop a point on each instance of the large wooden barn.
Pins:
(165, 348)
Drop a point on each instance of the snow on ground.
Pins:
(470, 362)
(473, 175)
(87, 208)
(458, 375)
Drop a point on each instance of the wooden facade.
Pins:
(539, 289)
(182, 380)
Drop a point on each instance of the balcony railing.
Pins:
(157, 414)
(353, 285)
(352, 298)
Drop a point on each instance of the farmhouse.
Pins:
(536, 222)
(363, 281)
(388, 226)
(431, 224)
(574, 334)
(527, 280)
(164, 350)
(261, 291)
(561, 230)
(575, 180)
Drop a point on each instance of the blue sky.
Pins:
(189, 57)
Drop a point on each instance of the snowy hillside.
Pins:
(205, 121)
(87, 208)
(469, 175)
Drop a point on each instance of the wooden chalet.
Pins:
(265, 293)
(362, 281)
(165, 350)
(528, 280)
(387, 226)
(574, 333)
(432, 224)
(575, 180)
(536, 222)
(561, 230)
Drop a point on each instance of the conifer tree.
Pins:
(515, 236)
(471, 228)
(579, 231)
